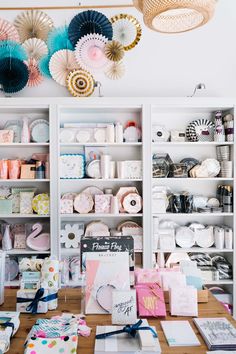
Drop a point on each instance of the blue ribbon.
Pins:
(8, 324)
(33, 306)
(131, 330)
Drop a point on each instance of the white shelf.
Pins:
(24, 145)
(219, 282)
(26, 216)
(24, 180)
(189, 143)
(101, 144)
(22, 251)
(181, 215)
(97, 216)
(100, 180)
(195, 250)
(185, 179)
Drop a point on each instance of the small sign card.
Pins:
(124, 309)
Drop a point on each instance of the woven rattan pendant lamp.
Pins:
(174, 16)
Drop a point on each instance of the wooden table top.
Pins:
(86, 345)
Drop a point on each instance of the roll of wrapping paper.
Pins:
(52, 304)
(30, 265)
(2, 276)
(50, 274)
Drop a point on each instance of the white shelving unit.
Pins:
(174, 113)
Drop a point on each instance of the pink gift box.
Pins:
(143, 276)
(66, 206)
(150, 299)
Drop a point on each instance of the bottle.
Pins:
(228, 199)
(6, 239)
(25, 133)
(119, 132)
(40, 170)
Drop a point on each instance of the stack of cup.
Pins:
(223, 153)
(223, 156)
(226, 169)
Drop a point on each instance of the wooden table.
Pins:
(86, 345)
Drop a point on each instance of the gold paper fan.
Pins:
(115, 71)
(114, 51)
(127, 30)
(33, 24)
(80, 83)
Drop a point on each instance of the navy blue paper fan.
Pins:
(44, 66)
(14, 75)
(58, 39)
(88, 22)
(11, 49)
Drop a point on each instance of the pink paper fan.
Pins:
(8, 31)
(89, 52)
(35, 77)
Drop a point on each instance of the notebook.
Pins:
(218, 333)
(179, 334)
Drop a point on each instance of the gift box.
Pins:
(150, 299)
(144, 342)
(32, 301)
(66, 206)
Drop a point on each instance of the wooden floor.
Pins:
(212, 309)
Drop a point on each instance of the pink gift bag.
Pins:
(150, 299)
(143, 276)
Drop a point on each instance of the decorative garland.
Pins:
(32, 48)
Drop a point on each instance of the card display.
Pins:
(105, 272)
(124, 309)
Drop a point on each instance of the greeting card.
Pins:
(124, 309)
(151, 301)
(105, 272)
(173, 279)
(143, 276)
(183, 301)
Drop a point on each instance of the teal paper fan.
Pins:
(14, 75)
(58, 39)
(44, 66)
(11, 49)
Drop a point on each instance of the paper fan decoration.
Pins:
(61, 64)
(58, 39)
(127, 30)
(44, 66)
(33, 24)
(89, 22)
(89, 52)
(35, 48)
(35, 77)
(14, 74)
(8, 31)
(11, 49)
(115, 71)
(80, 83)
(114, 51)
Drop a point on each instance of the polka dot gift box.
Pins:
(62, 345)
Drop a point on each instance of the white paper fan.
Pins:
(35, 48)
(126, 30)
(115, 70)
(89, 52)
(61, 64)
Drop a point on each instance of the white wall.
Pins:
(162, 65)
